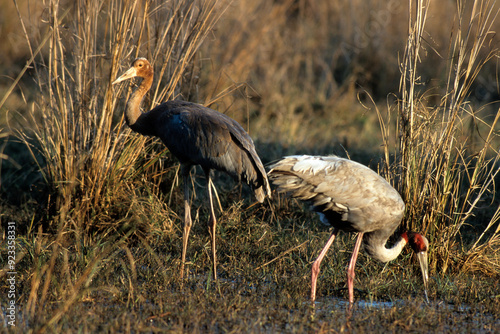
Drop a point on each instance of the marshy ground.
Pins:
(132, 284)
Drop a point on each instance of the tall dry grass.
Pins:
(100, 174)
(92, 161)
(446, 163)
(306, 64)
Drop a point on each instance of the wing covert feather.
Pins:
(198, 135)
(348, 190)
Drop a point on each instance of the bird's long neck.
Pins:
(133, 111)
(375, 245)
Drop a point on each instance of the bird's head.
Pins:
(420, 246)
(140, 68)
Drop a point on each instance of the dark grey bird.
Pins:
(350, 197)
(196, 135)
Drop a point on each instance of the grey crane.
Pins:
(196, 135)
(350, 197)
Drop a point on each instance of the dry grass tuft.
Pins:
(446, 160)
(97, 168)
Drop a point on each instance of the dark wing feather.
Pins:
(198, 135)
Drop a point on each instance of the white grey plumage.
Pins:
(350, 197)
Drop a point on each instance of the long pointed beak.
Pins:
(422, 258)
(131, 72)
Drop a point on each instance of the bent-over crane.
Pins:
(350, 197)
(196, 135)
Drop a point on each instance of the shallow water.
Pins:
(447, 317)
(361, 304)
(397, 315)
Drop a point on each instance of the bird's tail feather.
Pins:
(260, 194)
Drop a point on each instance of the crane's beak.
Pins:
(422, 258)
(131, 72)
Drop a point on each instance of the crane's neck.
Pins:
(375, 246)
(133, 111)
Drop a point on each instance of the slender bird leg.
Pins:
(315, 266)
(185, 170)
(350, 270)
(212, 222)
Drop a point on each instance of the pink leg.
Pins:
(315, 266)
(350, 270)
(187, 215)
(212, 223)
